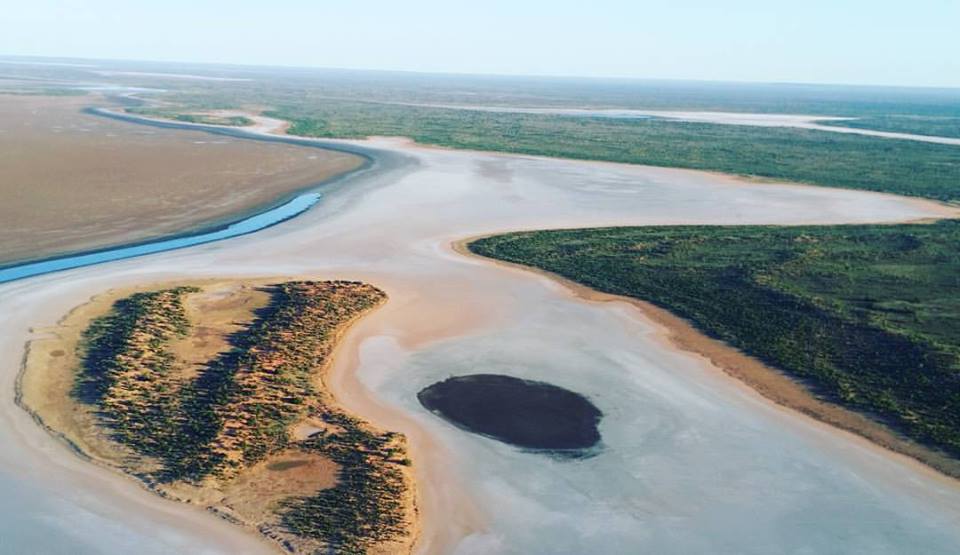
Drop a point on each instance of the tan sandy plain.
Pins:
(74, 181)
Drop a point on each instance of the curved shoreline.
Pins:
(77, 451)
(368, 146)
(301, 196)
(35, 380)
(345, 367)
(297, 205)
(766, 381)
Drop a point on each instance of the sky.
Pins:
(879, 42)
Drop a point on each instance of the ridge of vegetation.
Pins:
(364, 508)
(867, 316)
(210, 428)
(128, 368)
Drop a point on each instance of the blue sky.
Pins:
(899, 42)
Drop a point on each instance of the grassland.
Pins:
(203, 404)
(866, 316)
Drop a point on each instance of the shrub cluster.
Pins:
(239, 409)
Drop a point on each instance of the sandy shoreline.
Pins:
(435, 531)
(130, 184)
(56, 465)
(770, 383)
(438, 298)
(445, 517)
(42, 390)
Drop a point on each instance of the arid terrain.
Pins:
(683, 444)
(682, 451)
(211, 393)
(71, 180)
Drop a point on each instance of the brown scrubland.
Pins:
(212, 393)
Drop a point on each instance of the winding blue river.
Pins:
(289, 209)
(293, 207)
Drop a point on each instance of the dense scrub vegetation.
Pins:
(817, 157)
(238, 411)
(306, 88)
(943, 126)
(867, 315)
(366, 505)
(205, 119)
(128, 369)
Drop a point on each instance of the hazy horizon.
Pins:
(750, 41)
(166, 65)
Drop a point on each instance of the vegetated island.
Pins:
(214, 117)
(525, 413)
(863, 320)
(211, 393)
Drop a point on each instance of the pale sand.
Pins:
(397, 237)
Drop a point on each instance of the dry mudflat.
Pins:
(74, 181)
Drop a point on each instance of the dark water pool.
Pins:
(529, 414)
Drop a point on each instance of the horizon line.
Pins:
(546, 76)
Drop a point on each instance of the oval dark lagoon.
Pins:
(529, 414)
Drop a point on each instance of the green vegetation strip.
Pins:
(868, 316)
(356, 106)
(238, 411)
(816, 157)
